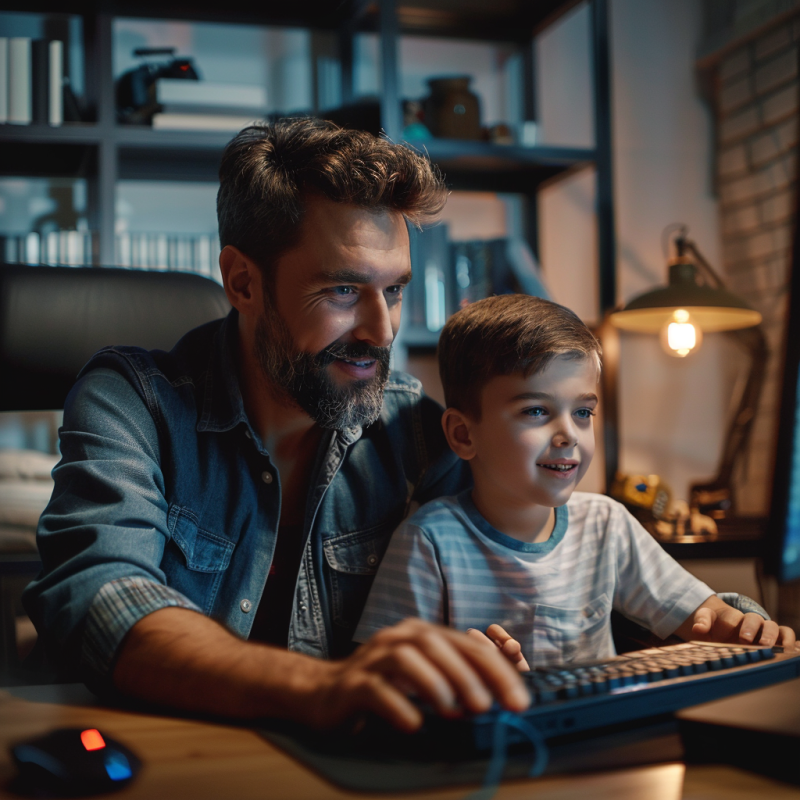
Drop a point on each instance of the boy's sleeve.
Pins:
(653, 589)
(408, 584)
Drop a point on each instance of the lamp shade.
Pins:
(712, 308)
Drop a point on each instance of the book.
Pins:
(231, 111)
(3, 80)
(205, 122)
(175, 92)
(55, 114)
(20, 111)
(47, 73)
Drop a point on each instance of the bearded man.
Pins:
(220, 510)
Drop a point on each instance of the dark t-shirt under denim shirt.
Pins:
(165, 496)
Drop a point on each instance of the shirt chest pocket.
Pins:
(567, 634)
(353, 560)
(194, 559)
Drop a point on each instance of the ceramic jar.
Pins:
(452, 111)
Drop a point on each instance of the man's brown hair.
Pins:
(504, 335)
(267, 171)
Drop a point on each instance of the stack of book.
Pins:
(200, 105)
(31, 81)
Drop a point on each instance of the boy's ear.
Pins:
(457, 431)
(241, 279)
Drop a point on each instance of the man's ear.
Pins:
(457, 428)
(241, 278)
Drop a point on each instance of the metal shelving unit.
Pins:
(104, 151)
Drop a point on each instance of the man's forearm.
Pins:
(182, 659)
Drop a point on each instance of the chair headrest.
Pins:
(52, 319)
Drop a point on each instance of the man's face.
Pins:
(535, 439)
(332, 312)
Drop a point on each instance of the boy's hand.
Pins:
(716, 621)
(496, 636)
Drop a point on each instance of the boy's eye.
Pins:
(536, 411)
(584, 413)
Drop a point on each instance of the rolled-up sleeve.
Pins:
(101, 537)
(116, 608)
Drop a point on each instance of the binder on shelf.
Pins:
(48, 81)
(472, 268)
(430, 297)
(3, 80)
(20, 110)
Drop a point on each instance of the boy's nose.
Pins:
(565, 436)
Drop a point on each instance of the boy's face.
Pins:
(535, 438)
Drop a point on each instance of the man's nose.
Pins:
(374, 325)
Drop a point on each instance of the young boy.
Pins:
(522, 549)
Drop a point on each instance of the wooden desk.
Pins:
(199, 760)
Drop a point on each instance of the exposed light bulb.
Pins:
(681, 335)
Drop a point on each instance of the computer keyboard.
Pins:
(645, 683)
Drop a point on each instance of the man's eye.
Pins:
(343, 291)
(398, 289)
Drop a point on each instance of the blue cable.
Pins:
(497, 762)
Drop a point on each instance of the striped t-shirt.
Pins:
(447, 564)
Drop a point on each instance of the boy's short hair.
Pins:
(503, 335)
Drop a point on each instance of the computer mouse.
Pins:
(74, 761)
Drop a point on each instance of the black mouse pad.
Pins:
(382, 760)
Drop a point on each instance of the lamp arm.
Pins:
(719, 490)
(688, 244)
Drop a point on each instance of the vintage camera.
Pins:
(133, 90)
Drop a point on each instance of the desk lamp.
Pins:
(694, 302)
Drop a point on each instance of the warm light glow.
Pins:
(92, 740)
(681, 335)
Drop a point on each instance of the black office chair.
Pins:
(52, 319)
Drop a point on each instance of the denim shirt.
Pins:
(165, 495)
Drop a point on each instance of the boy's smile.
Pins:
(532, 445)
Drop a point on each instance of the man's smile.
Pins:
(357, 368)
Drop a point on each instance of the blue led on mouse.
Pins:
(73, 761)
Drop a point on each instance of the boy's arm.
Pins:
(715, 621)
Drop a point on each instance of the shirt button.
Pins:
(266, 476)
(372, 560)
(248, 434)
(245, 605)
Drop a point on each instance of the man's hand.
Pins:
(181, 659)
(447, 669)
(716, 621)
(496, 636)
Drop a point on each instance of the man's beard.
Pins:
(303, 379)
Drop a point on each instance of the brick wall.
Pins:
(751, 71)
